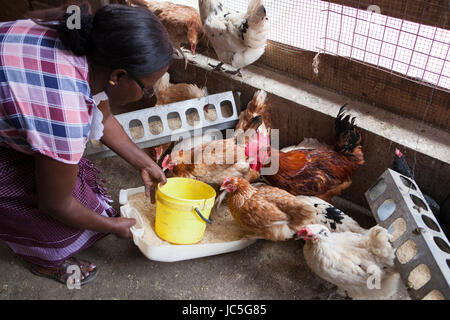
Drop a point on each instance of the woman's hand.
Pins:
(152, 174)
(55, 182)
(121, 226)
(117, 140)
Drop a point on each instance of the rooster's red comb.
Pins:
(165, 163)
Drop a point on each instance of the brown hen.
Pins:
(182, 22)
(274, 214)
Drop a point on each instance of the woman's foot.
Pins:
(87, 271)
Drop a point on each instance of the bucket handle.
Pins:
(202, 217)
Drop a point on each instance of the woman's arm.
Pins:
(117, 140)
(55, 182)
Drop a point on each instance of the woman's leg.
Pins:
(34, 236)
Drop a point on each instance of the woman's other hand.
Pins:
(121, 227)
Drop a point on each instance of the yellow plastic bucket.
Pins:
(183, 207)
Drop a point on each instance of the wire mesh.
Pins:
(410, 49)
(398, 59)
(417, 51)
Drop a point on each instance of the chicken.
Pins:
(181, 162)
(167, 92)
(360, 264)
(213, 161)
(238, 38)
(347, 223)
(182, 22)
(257, 114)
(275, 214)
(325, 171)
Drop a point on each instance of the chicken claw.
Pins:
(217, 67)
(236, 72)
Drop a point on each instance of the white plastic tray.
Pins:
(169, 252)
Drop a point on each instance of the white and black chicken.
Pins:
(238, 38)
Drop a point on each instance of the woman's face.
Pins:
(128, 89)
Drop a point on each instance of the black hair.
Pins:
(116, 37)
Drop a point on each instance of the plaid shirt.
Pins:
(45, 101)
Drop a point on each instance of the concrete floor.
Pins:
(265, 270)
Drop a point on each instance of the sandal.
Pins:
(61, 275)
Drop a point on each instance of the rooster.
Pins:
(274, 214)
(325, 171)
(238, 38)
(182, 22)
(354, 262)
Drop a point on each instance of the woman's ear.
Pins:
(117, 75)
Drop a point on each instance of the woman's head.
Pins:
(127, 47)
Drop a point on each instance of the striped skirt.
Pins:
(33, 235)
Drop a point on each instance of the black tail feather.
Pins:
(347, 134)
(335, 215)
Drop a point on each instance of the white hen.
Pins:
(238, 38)
(361, 265)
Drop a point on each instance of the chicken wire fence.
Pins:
(388, 41)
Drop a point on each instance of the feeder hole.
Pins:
(442, 244)
(174, 120)
(418, 202)
(434, 295)
(406, 251)
(386, 209)
(155, 124)
(419, 276)
(408, 182)
(226, 108)
(430, 223)
(377, 190)
(210, 112)
(397, 228)
(136, 129)
(192, 117)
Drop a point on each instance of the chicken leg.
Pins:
(220, 68)
(235, 72)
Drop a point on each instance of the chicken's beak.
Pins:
(305, 234)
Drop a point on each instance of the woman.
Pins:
(51, 77)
